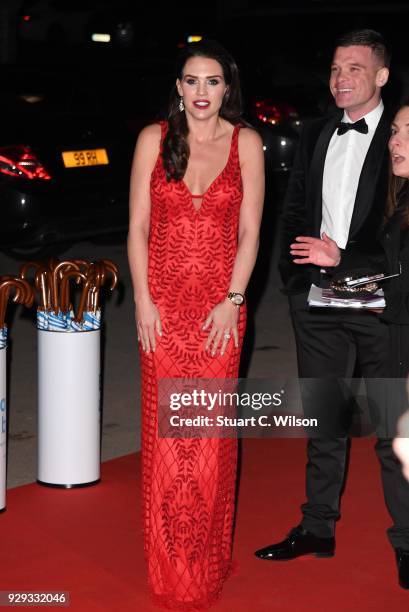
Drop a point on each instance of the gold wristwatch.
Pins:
(236, 298)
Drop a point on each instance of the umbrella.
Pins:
(52, 283)
(23, 294)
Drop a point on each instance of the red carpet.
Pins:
(88, 541)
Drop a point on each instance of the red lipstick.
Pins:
(201, 104)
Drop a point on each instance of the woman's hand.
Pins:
(321, 252)
(223, 320)
(148, 323)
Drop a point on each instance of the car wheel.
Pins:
(36, 252)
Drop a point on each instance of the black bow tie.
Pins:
(360, 126)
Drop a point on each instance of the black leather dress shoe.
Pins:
(402, 559)
(298, 542)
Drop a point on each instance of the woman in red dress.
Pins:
(197, 190)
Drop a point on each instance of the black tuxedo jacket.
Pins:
(303, 202)
(395, 243)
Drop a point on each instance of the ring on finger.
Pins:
(227, 336)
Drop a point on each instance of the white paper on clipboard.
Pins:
(325, 298)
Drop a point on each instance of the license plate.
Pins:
(90, 157)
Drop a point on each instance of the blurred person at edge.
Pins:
(392, 257)
(401, 444)
(197, 191)
(337, 191)
(399, 201)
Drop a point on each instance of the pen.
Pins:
(371, 279)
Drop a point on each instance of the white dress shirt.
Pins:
(343, 164)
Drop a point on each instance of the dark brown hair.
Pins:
(398, 191)
(367, 38)
(175, 152)
(398, 198)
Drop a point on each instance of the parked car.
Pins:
(64, 164)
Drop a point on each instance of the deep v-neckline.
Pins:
(205, 193)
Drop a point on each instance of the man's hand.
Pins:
(321, 252)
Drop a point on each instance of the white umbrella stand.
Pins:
(3, 427)
(69, 418)
(22, 293)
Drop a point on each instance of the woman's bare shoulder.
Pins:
(250, 137)
(150, 136)
(250, 146)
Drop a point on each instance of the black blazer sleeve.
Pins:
(294, 222)
(369, 255)
(396, 244)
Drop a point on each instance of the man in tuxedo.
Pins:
(338, 190)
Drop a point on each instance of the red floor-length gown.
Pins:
(189, 484)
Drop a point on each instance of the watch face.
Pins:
(238, 299)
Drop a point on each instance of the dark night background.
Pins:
(58, 85)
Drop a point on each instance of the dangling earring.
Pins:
(181, 105)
